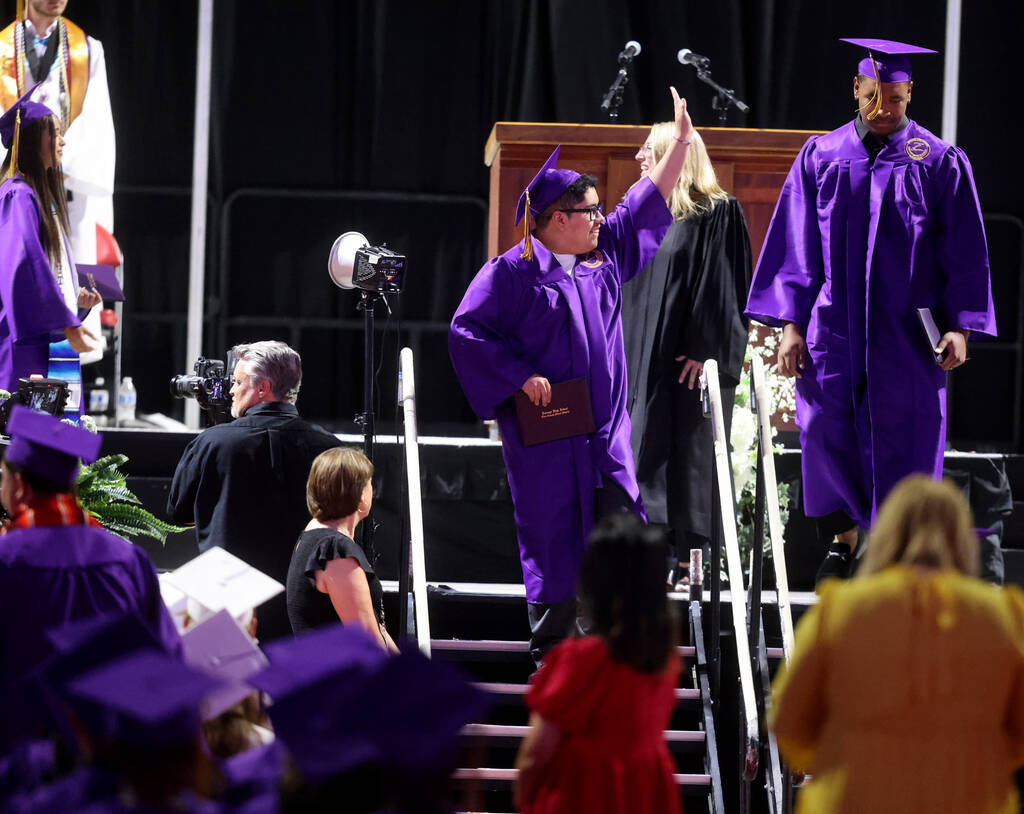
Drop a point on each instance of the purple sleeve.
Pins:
(34, 305)
(790, 271)
(633, 232)
(480, 339)
(963, 250)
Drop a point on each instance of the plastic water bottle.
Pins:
(126, 399)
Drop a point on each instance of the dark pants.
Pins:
(832, 524)
(552, 622)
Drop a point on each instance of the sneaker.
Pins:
(836, 564)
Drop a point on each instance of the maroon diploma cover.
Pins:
(567, 414)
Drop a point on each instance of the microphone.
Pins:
(687, 57)
(631, 49)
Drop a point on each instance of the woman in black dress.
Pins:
(330, 576)
(684, 308)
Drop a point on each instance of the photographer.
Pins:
(243, 484)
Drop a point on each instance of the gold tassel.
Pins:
(20, 10)
(14, 145)
(875, 102)
(527, 242)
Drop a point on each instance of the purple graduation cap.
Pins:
(149, 699)
(336, 714)
(546, 187)
(886, 60)
(22, 112)
(47, 447)
(313, 680)
(417, 732)
(79, 647)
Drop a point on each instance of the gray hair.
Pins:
(274, 362)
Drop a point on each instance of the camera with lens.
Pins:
(42, 395)
(209, 385)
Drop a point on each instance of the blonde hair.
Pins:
(696, 191)
(923, 522)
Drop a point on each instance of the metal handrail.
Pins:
(417, 557)
(766, 453)
(723, 473)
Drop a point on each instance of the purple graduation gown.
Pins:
(852, 250)
(523, 317)
(32, 308)
(53, 575)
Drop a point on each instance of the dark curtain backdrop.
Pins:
(372, 115)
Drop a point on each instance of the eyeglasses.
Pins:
(593, 212)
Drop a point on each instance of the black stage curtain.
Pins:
(386, 96)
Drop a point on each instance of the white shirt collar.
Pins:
(30, 28)
(566, 261)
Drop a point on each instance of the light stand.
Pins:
(368, 304)
(376, 271)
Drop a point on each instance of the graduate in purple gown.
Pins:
(547, 311)
(876, 220)
(39, 293)
(57, 565)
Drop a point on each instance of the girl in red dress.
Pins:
(600, 704)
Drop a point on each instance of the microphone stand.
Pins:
(724, 97)
(613, 98)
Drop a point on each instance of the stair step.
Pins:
(501, 688)
(510, 646)
(509, 775)
(672, 736)
(505, 646)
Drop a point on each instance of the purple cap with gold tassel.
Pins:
(546, 187)
(21, 113)
(886, 61)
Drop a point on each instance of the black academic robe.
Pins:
(690, 301)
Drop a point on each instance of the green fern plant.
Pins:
(104, 493)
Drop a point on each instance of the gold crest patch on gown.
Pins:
(917, 148)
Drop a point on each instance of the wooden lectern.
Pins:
(751, 164)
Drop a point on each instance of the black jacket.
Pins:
(243, 484)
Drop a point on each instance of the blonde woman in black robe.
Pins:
(685, 308)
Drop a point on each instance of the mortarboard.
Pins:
(886, 61)
(313, 679)
(79, 647)
(326, 653)
(218, 579)
(102, 279)
(149, 698)
(218, 646)
(416, 731)
(546, 187)
(47, 447)
(340, 702)
(22, 112)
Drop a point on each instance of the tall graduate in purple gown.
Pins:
(876, 220)
(39, 294)
(56, 564)
(548, 311)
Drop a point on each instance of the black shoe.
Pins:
(836, 564)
